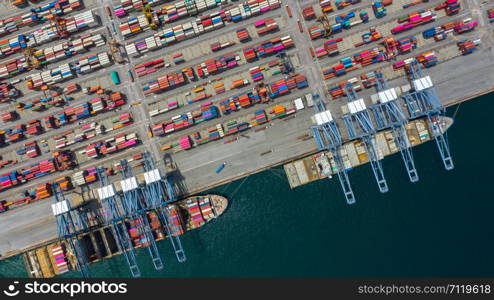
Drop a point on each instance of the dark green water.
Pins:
(440, 226)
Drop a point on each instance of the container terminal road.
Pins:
(216, 90)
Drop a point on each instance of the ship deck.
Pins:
(311, 168)
(100, 243)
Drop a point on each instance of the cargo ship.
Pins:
(55, 258)
(321, 165)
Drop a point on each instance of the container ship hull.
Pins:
(55, 258)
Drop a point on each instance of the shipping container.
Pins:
(114, 77)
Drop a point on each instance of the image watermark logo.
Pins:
(69, 289)
(12, 290)
(74, 288)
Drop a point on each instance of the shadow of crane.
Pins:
(175, 176)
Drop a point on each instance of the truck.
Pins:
(114, 77)
(289, 11)
(3, 206)
(108, 11)
(300, 26)
(220, 168)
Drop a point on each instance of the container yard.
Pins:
(189, 95)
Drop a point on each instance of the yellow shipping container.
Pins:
(279, 109)
(60, 179)
(327, 9)
(18, 2)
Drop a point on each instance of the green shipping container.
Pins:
(114, 77)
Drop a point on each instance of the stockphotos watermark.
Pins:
(70, 289)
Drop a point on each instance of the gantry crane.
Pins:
(328, 138)
(287, 64)
(148, 11)
(134, 204)
(158, 199)
(60, 25)
(70, 223)
(323, 19)
(113, 216)
(391, 47)
(32, 61)
(389, 114)
(359, 126)
(422, 101)
(117, 55)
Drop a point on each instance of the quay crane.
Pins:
(133, 202)
(157, 199)
(328, 137)
(70, 223)
(388, 113)
(422, 101)
(359, 126)
(113, 216)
